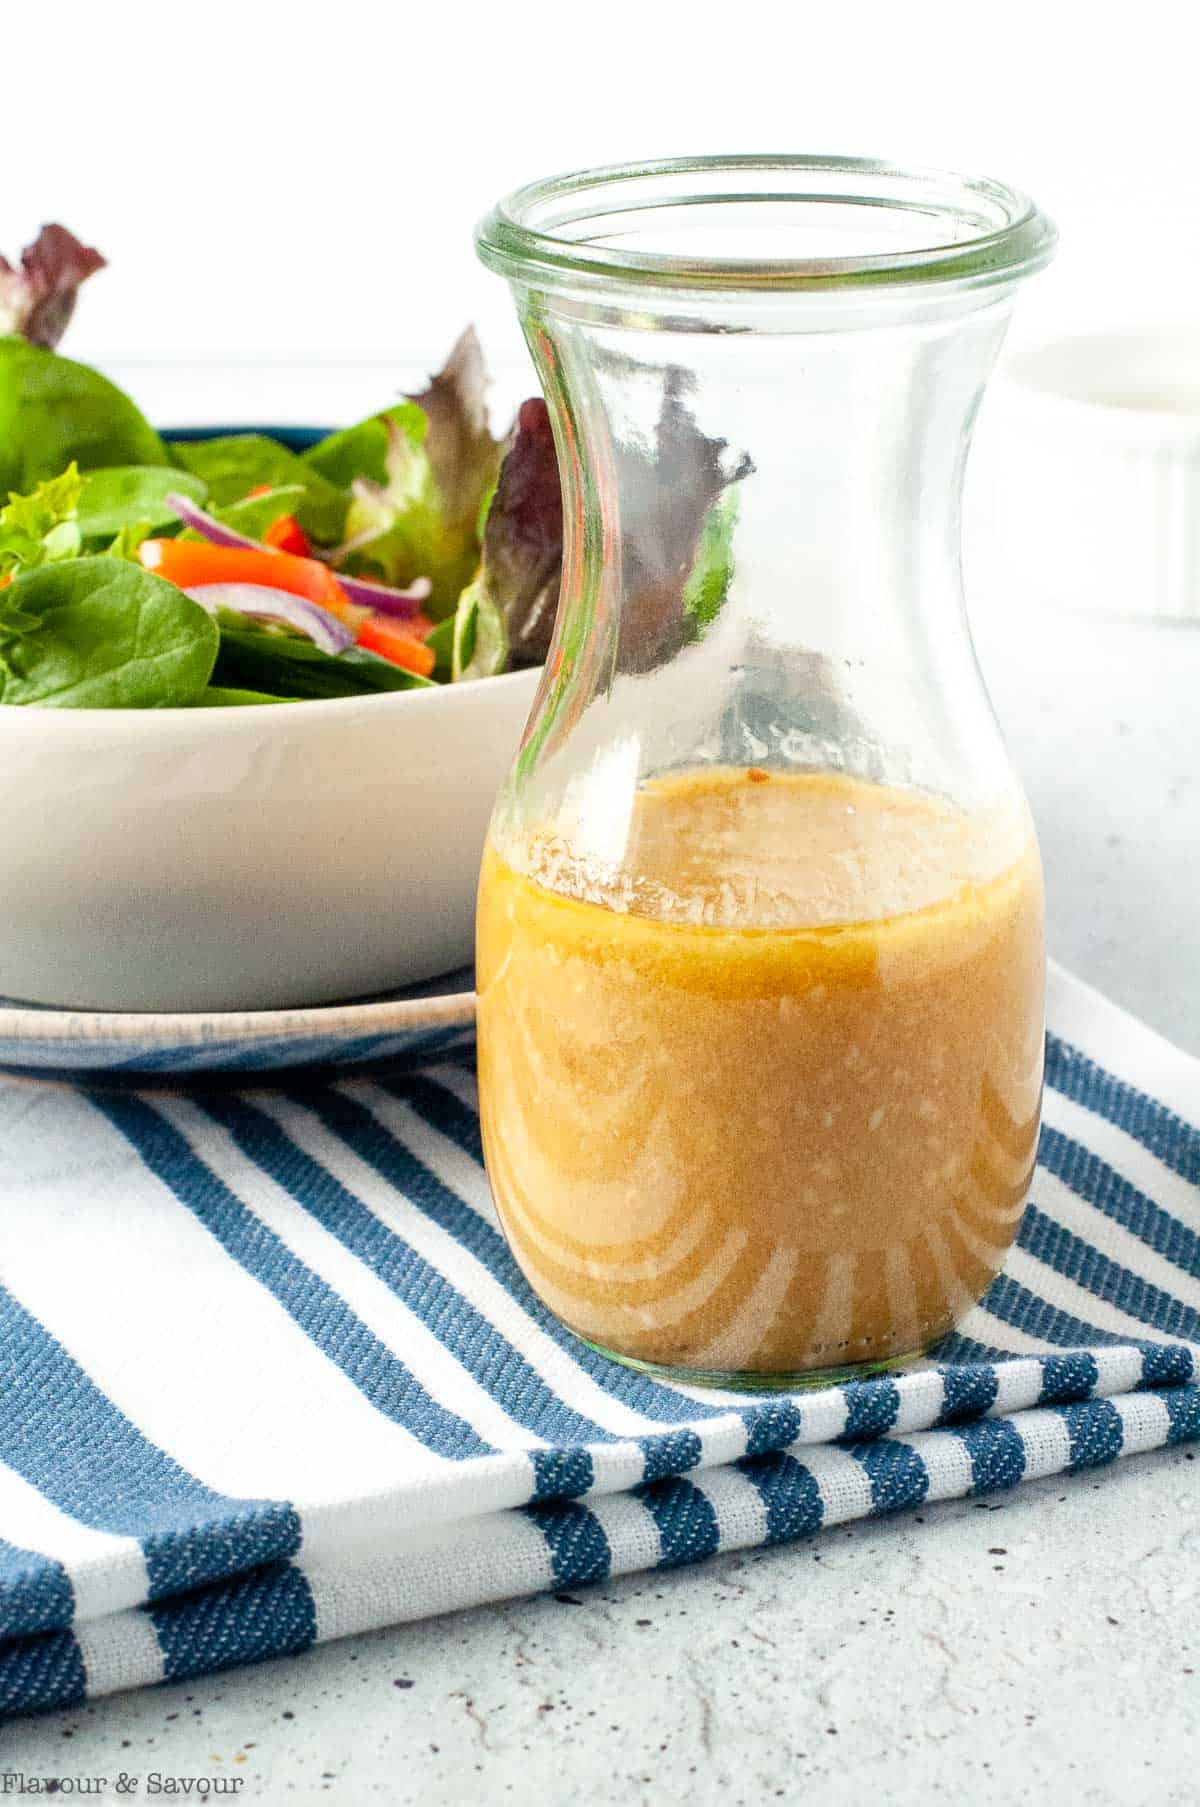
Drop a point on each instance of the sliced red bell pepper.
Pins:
(399, 641)
(191, 562)
(285, 534)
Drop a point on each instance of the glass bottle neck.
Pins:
(763, 528)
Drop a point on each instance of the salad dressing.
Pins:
(763, 1098)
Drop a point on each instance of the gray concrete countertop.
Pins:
(1102, 718)
(1038, 1647)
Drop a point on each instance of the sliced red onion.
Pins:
(265, 603)
(405, 603)
(208, 526)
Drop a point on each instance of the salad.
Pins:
(410, 549)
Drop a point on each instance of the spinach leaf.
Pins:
(254, 514)
(53, 411)
(440, 641)
(283, 665)
(234, 465)
(218, 697)
(128, 494)
(361, 450)
(105, 635)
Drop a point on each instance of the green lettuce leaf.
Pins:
(43, 527)
(711, 574)
(480, 644)
(125, 544)
(421, 518)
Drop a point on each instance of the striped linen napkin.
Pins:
(269, 1376)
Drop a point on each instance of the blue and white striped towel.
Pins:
(268, 1375)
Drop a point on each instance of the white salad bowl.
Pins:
(247, 858)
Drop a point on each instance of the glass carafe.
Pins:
(760, 942)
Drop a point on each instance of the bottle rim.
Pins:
(567, 230)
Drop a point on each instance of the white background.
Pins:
(293, 180)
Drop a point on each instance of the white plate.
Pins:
(418, 1024)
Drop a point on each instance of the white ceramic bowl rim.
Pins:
(67, 724)
(1051, 378)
